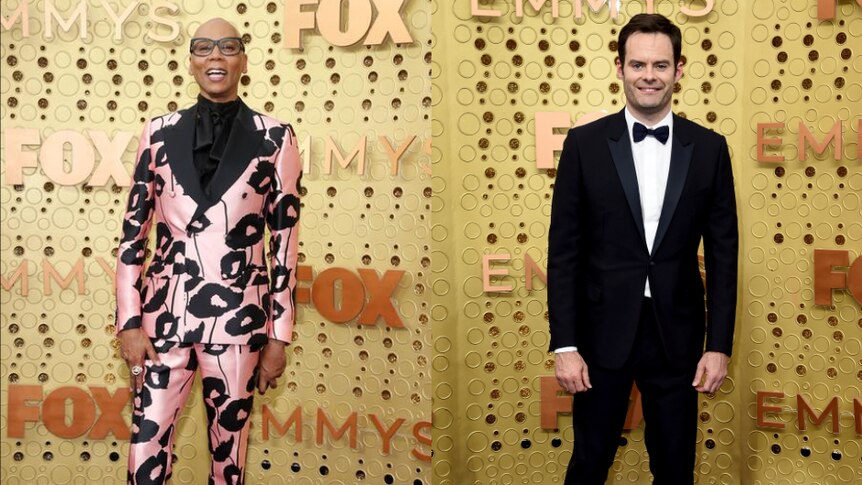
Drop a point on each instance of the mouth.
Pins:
(216, 74)
(649, 89)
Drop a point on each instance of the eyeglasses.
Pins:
(228, 46)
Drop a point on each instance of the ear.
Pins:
(619, 68)
(677, 75)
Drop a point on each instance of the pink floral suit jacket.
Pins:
(208, 280)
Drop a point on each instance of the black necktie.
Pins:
(640, 132)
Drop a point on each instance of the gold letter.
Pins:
(762, 141)
(390, 22)
(393, 154)
(537, 5)
(330, 21)
(477, 12)
(548, 142)
(762, 409)
(52, 14)
(111, 153)
(698, 13)
(805, 137)
(49, 272)
(324, 423)
(173, 25)
(23, 11)
(119, 20)
(804, 409)
(344, 162)
(825, 280)
(295, 21)
(487, 273)
(81, 158)
(16, 157)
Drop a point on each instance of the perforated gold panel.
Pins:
(746, 63)
(82, 95)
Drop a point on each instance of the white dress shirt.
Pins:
(652, 164)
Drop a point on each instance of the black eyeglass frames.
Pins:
(228, 46)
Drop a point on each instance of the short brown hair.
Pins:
(649, 23)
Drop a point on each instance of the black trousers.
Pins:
(669, 408)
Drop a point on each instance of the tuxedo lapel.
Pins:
(178, 146)
(680, 160)
(621, 152)
(242, 145)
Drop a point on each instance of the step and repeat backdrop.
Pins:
(782, 80)
(79, 78)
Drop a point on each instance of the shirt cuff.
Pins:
(565, 349)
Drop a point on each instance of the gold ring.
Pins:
(136, 370)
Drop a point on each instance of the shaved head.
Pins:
(216, 24)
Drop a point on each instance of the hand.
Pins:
(711, 370)
(271, 365)
(135, 347)
(571, 372)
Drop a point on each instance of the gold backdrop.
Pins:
(747, 63)
(74, 101)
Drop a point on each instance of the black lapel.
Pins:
(621, 151)
(680, 159)
(242, 145)
(178, 146)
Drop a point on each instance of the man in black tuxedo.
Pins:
(635, 194)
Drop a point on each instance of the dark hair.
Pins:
(649, 23)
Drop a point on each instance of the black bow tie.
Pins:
(640, 132)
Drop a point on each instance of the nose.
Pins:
(649, 73)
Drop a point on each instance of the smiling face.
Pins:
(218, 75)
(648, 75)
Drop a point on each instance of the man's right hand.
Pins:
(135, 347)
(571, 372)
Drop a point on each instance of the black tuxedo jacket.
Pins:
(598, 259)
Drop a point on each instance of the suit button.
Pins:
(652, 263)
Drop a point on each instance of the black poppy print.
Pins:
(246, 320)
(215, 349)
(234, 416)
(232, 475)
(214, 300)
(247, 232)
(215, 390)
(163, 236)
(195, 335)
(280, 276)
(223, 451)
(262, 177)
(157, 376)
(153, 470)
(146, 431)
(233, 264)
(159, 294)
(285, 213)
(167, 326)
(134, 253)
(159, 185)
(143, 175)
(198, 225)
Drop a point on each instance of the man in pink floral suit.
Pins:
(213, 177)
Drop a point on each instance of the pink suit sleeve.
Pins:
(282, 219)
(133, 242)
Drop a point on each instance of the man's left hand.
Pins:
(271, 365)
(711, 371)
